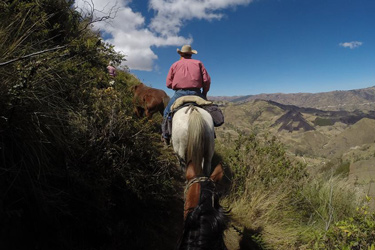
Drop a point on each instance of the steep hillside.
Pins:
(246, 117)
(354, 136)
(308, 132)
(291, 121)
(77, 170)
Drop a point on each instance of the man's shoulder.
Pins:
(191, 62)
(186, 62)
(195, 61)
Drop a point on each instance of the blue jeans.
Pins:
(178, 94)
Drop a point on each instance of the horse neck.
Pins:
(143, 86)
(205, 224)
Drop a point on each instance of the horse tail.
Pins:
(196, 143)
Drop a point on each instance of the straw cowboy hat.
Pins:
(186, 49)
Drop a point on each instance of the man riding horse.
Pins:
(186, 76)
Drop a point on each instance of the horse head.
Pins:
(205, 219)
(193, 188)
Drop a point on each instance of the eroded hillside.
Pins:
(357, 99)
(316, 136)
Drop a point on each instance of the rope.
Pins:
(192, 108)
(193, 181)
(197, 180)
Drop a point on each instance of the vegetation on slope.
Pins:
(77, 170)
(277, 204)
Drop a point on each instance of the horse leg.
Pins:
(148, 114)
(141, 111)
(138, 111)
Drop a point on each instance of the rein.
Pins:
(193, 181)
(198, 180)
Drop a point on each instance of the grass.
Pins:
(275, 202)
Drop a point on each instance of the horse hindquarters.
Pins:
(200, 148)
(209, 141)
(179, 132)
(200, 145)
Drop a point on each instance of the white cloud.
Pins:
(170, 15)
(351, 45)
(135, 38)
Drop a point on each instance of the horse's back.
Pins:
(181, 122)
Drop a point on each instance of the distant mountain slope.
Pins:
(323, 117)
(363, 99)
(306, 131)
(287, 117)
(323, 139)
(292, 120)
(354, 136)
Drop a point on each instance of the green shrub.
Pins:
(328, 200)
(323, 122)
(356, 232)
(265, 185)
(343, 169)
(274, 196)
(261, 160)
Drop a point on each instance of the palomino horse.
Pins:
(205, 219)
(148, 100)
(193, 138)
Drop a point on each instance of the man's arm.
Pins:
(206, 81)
(170, 78)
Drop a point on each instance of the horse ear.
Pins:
(218, 173)
(190, 171)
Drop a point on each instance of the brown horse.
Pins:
(148, 100)
(205, 219)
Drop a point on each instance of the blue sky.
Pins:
(250, 47)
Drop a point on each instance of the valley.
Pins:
(340, 140)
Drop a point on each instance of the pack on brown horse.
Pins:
(148, 100)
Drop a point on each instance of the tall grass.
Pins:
(275, 199)
(328, 200)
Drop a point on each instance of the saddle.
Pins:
(213, 109)
(189, 99)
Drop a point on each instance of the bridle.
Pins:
(199, 179)
(193, 181)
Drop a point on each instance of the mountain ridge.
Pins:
(363, 99)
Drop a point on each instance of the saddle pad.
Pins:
(189, 98)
